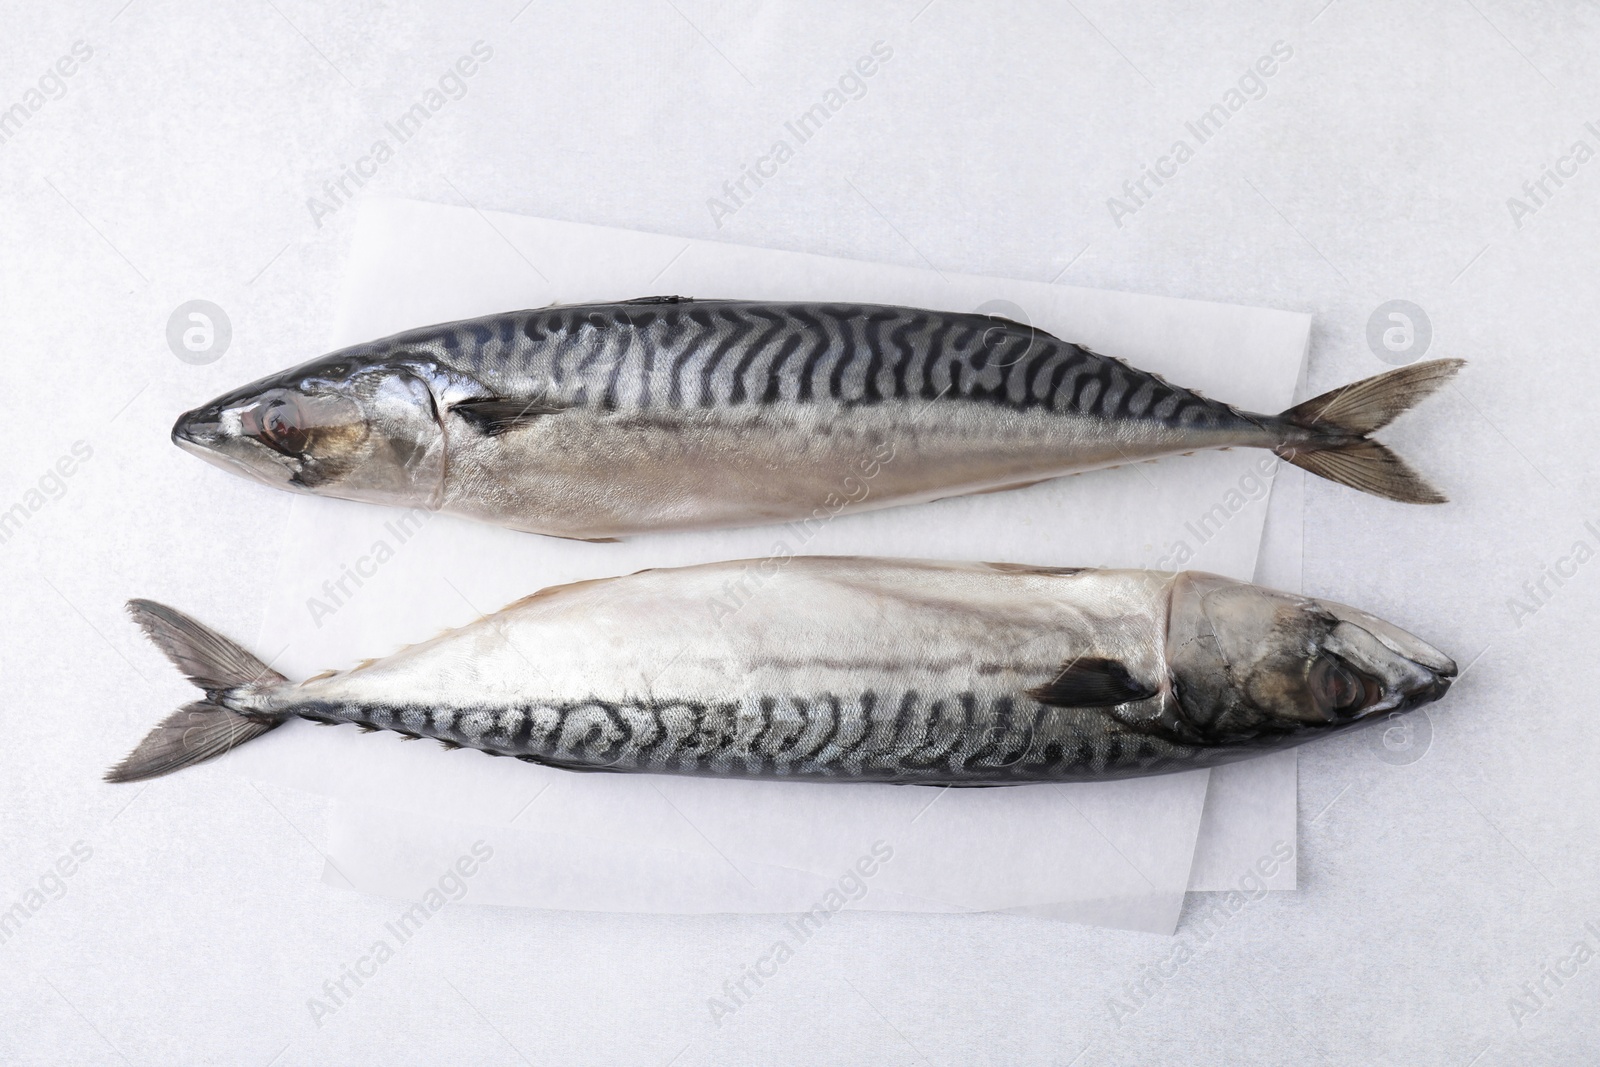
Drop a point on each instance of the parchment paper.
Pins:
(354, 583)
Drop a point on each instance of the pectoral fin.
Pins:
(495, 415)
(1091, 682)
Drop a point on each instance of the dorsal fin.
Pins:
(1029, 568)
(1091, 682)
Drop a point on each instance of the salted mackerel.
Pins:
(603, 420)
(842, 669)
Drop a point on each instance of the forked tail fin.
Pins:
(1346, 415)
(206, 728)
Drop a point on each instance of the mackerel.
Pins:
(842, 669)
(604, 420)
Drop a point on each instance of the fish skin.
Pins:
(671, 414)
(699, 683)
(851, 669)
(700, 418)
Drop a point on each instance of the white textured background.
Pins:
(1377, 166)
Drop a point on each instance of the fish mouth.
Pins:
(1434, 683)
(201, 433)
(197, 431)
(1410, 684)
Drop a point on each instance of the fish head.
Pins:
(1255, 665)
(341, 426)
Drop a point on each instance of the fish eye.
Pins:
(280, 425)
(1339, 690)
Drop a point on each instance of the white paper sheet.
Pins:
(1117, 853)
(987, 853)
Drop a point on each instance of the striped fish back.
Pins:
(680, 355)
(956, 738)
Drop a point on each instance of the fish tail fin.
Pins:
(1342, 418)
(204, 729)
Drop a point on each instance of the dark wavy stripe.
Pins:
(922, 741)
(824, 739)
(608, 399)
(939, 736)
(814, 354)
(791, 344)
(901, 354)
(673, 333)
(752, 747)
(738, 333)
(715, 354)
(738, 392)
(877, 349)
(850, 349)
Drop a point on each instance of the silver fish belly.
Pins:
(600, 421)
(846, 669)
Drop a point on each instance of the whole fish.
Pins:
(844, 669)
(603, 420)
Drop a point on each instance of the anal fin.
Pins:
(565, 765)
(1009, 487)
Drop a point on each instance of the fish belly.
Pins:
(584, 474)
